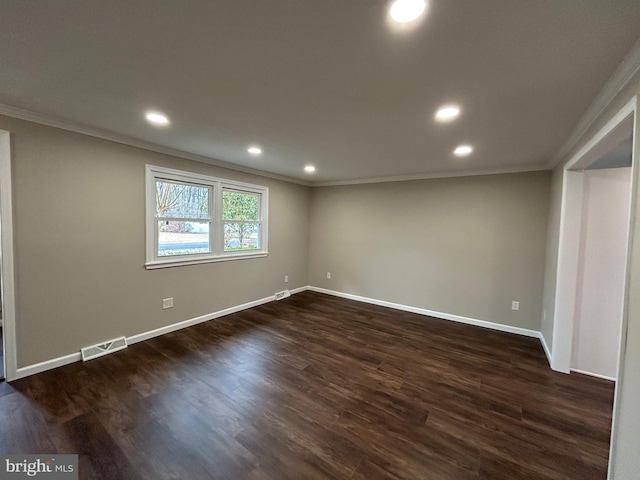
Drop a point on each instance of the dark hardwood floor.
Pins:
(317, 387)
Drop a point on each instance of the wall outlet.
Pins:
(328, 274)
(286, 279)
(167, 303)
(515, 305)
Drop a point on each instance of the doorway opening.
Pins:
(598, 167)
(610, 139)
(602, 258)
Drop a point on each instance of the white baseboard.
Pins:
(421, 311)
(47, 365)
(299, 289)
(591, 374)
(194, 321)
(547, 352)
(76, 357)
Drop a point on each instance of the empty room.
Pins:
(317, 239)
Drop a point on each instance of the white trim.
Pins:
(180, 262)
(431, 313)
(298, 290)
(194, 321)
(620, 78)
(569, 235)
(547, 350)
(42, 119)
(76, 357)
(47, 365)
(567, 270)
(610, 126)
(591, 374)
(428, 176)
(7, 258)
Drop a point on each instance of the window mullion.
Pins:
(216, 224)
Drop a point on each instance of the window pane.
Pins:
(181, 200)
(183, 238)
(241, 236)
(240, 206)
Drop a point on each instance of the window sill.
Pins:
(174, 262)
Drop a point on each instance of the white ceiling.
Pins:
(327, 82)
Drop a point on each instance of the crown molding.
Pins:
(51, 121)
(428, 176)
(620, 79)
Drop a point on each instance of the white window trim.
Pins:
(217, 185)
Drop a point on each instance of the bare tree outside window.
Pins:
(180, 209)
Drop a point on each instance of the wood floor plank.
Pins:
(317, 387)
(23, 428)
(99, 456)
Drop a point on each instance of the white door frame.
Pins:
(6, 259)
(570, 226)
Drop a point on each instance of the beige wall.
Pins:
(626, 436)
(80, 245)
(463, 246)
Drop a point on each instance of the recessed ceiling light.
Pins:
(309, 169)
(447, 113)
(463, 150)
(254, 150)
(157, 118)
(404, 11)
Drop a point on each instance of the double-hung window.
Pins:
(194, 218)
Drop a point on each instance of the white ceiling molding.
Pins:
(50, 121)
(620, 78)
(428, 176)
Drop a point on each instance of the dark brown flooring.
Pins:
(316, 387)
